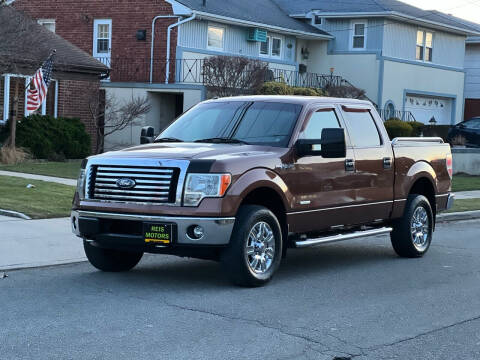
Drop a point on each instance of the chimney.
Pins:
(204, 3)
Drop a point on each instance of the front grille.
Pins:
(153, 185)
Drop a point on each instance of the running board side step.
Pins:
(342, 237)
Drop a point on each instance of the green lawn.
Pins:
(46, 200)
(67, 169)
(465, 205)
(465, 183)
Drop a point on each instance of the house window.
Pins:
(317, 20)
(359, 38)
(265, 47)
(272, 47)
(215, 37)
(276, 47)
(424, 50)
(102, 38)
(48, 23)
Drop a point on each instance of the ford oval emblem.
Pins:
(126, 183)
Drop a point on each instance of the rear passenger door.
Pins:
(373, 168)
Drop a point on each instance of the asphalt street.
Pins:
(346, 300)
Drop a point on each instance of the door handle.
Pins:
(349, 165)
(387, 163)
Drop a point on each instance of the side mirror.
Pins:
(147, 135)
(331, 145)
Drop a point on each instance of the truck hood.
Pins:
(202, 151)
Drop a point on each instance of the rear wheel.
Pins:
(111, 260)
(412, 234)
(255, 248)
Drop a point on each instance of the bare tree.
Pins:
(109, 115)
(17, 38)
(346, 91)
(232, 75)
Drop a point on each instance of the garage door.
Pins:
(423, 108)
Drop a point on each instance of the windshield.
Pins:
(260, 123)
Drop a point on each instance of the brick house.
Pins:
(119, 33)
(23, 50)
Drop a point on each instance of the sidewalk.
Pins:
(58, 180)
(32, 243)
(462, 195)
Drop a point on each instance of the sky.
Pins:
(466, 9)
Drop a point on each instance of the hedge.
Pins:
(280, 88)
(52, 138)
(398, 128)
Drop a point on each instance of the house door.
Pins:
(102, 40)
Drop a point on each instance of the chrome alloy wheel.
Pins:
(420, 228)
(260, 248)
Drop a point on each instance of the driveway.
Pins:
(352, 299)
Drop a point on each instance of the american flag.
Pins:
(38, 87)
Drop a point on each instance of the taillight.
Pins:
(449, 163)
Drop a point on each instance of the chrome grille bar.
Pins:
(152, 185)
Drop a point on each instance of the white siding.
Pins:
(399, 41)
(472, 68)
(421, 80)
(359, 69)
(194, 35)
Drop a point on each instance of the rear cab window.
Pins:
(361, 127)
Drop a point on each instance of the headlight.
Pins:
(199, 186)
(81, 180)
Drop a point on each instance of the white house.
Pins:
(407, 59)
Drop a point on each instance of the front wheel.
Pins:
(412, 234)
(255, 248)
(111, 260)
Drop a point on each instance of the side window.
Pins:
(362, 129)
(320, 120)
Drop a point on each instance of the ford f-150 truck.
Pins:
(241, 179)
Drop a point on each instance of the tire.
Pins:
(253, 256)
(111, 260)
(412, 234)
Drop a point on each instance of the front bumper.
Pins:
(101, 225)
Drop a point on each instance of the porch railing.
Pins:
(387, 114)
(191, 71)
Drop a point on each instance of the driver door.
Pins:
(320, 186)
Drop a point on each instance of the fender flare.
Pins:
(260, 178)
(421, 169)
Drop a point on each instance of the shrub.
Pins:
(398, 128)
(53, 138)
(275, 88)
(280, 88)
(417, 127)
(10, 156)
(233, 75)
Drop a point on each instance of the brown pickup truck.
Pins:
(240, 180)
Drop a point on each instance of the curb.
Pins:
(462, 215)
(15, 214)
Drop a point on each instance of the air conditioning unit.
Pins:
(256, 34)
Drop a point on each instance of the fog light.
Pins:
(195, 232)
(198, 231)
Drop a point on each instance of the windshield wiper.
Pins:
(167, 139)
(222, 140)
